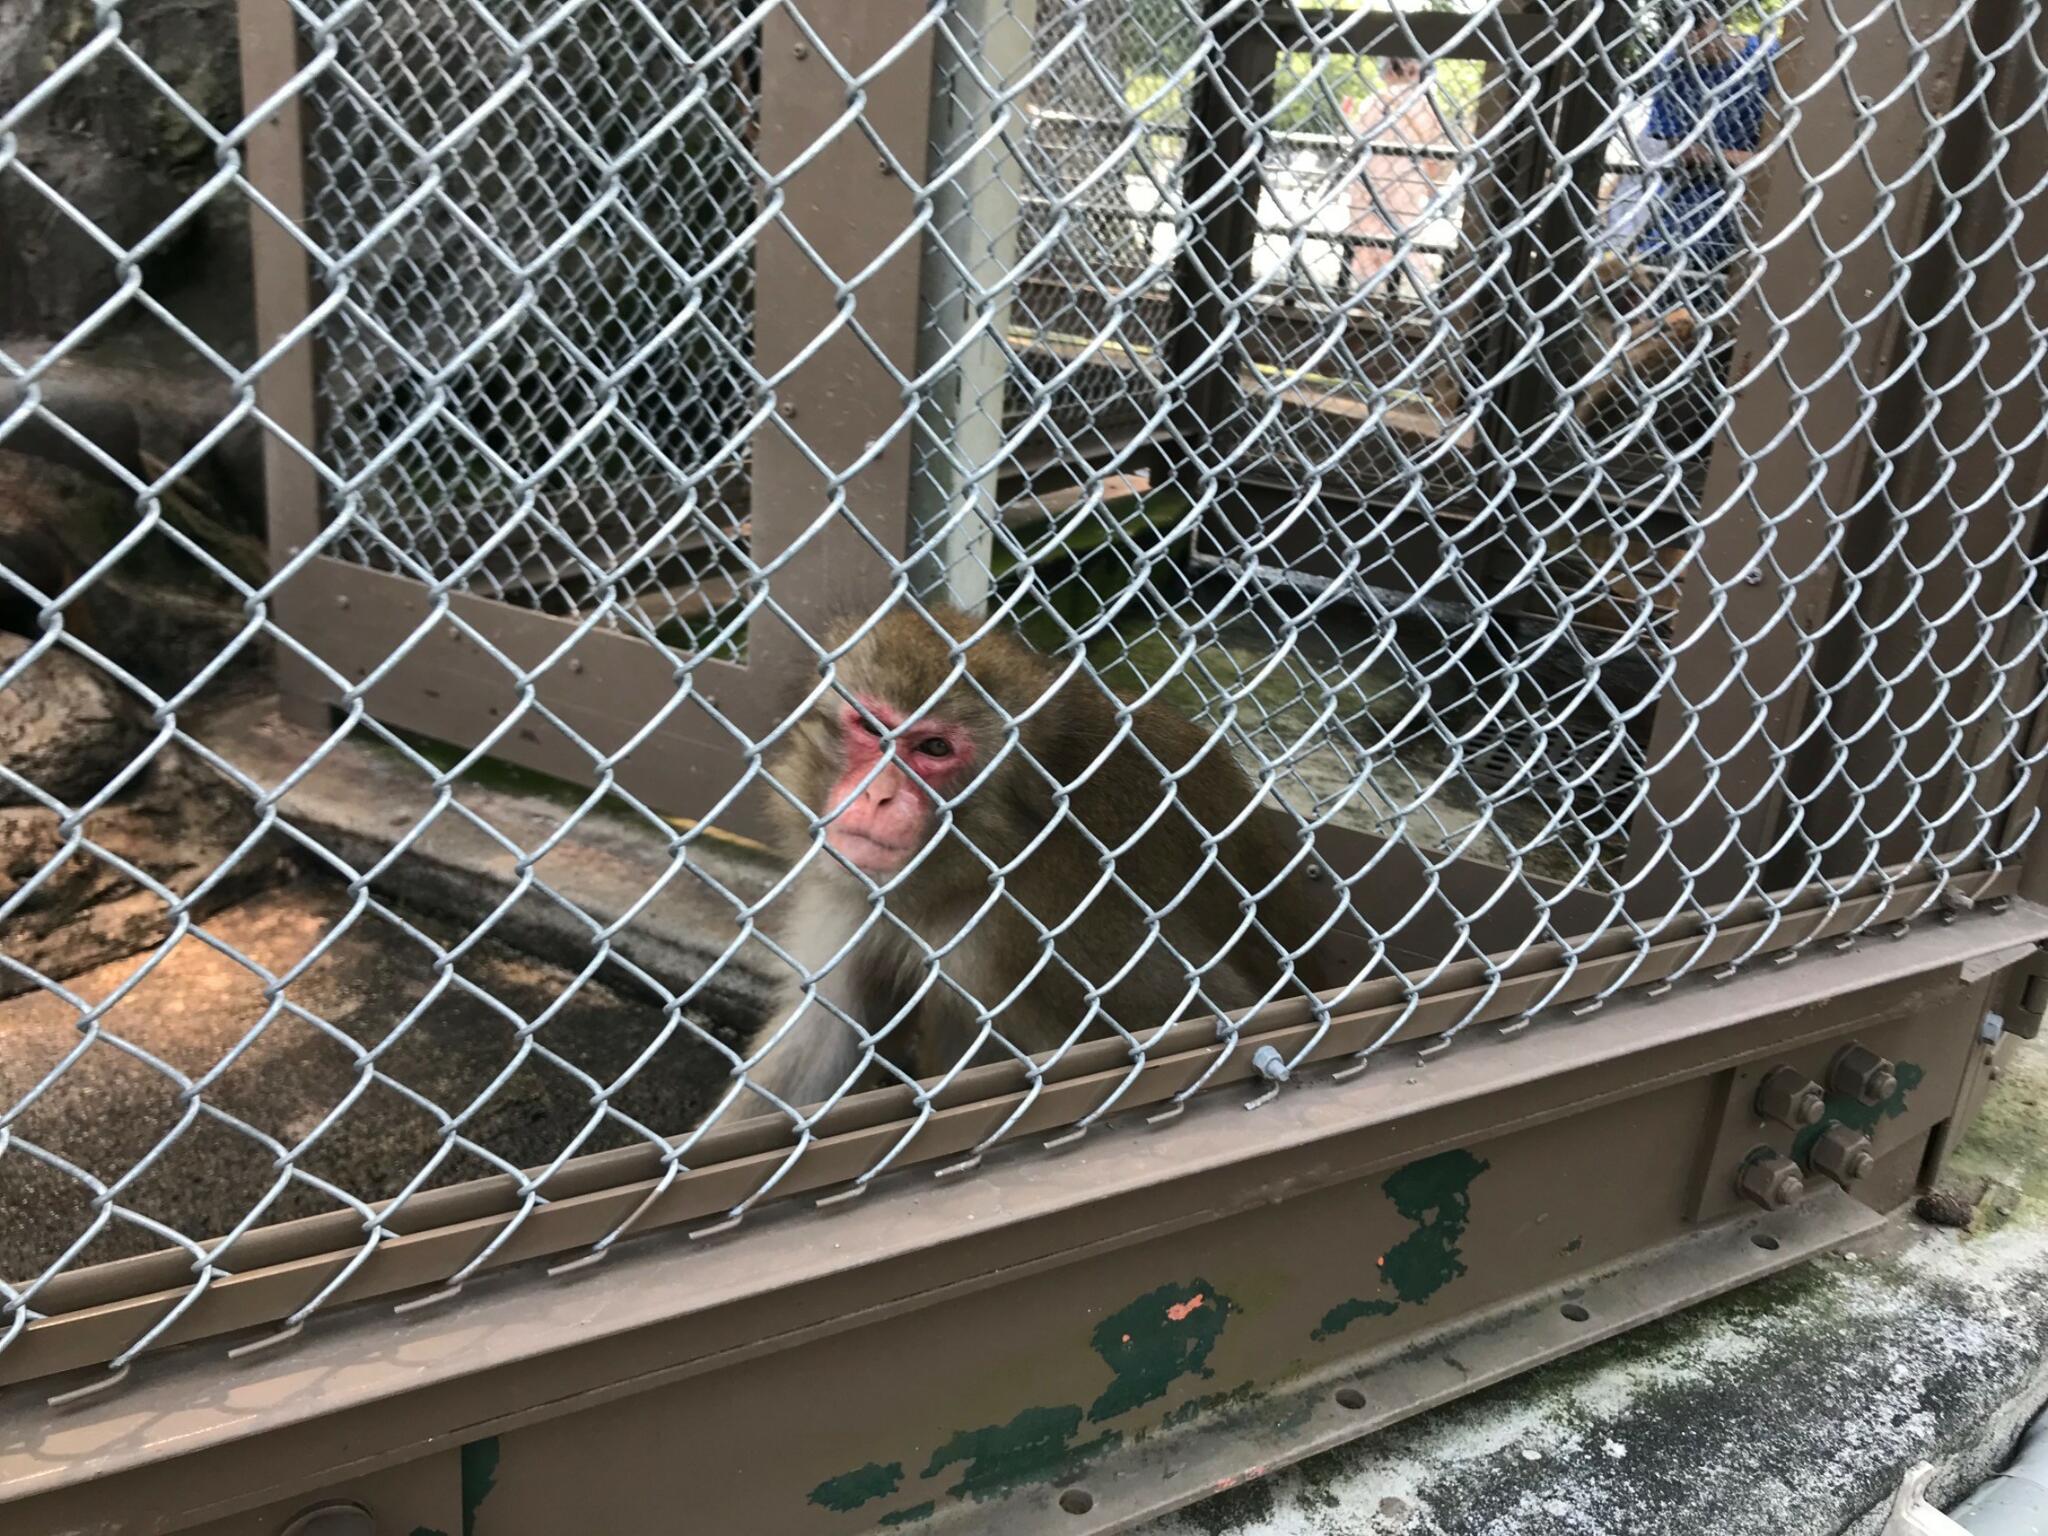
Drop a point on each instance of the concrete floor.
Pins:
(1787, 1408)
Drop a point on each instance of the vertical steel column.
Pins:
(845, 115)
(970, 284)
(274, 161)
(1219, 197)
(1842, 192)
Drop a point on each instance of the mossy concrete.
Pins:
(1793, 1405)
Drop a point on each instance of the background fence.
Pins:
(1589, 471)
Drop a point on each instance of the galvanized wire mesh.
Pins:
(1584, 460)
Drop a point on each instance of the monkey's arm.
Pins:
(806, 1048)
(807, 1062)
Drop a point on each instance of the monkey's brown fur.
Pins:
(1658, 343)
(1034, 990)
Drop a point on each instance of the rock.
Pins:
(65, 726)
(143, 414)
(69, 729)
(110, 144)
(156, 612)
(1947, 1208)
(180, 826)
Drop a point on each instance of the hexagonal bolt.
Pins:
(1861, 1074)
(1769, 1179)
(331, 1520)
(1270, 1064)
(1843, 1154)
(1791, 1098)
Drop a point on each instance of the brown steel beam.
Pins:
(1008, 1336)
(1792, 463)
(97, 1312)
(274, 162)
(835, 322)
(664, 721)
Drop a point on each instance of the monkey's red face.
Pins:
(882, 821)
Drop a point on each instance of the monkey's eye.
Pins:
(866, 725)
(935, 746)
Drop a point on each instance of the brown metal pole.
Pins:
(274, 160)
(1953, 513)
(845, 105)
(1793, 460)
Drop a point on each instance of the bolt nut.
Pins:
(1861, 1074)
(1770, 1179)
(331, 1520)
(1791, 1098)
(1843, 1154)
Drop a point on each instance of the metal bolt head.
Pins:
(331, 1520)
(1861, 1074)
(1791, 1098)
(1270, 1064)
(1843, 1154)
(1769, 1179)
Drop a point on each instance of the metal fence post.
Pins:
(845, 116)
(275, 164)
(965, 355)
(1949, 537)
(1219, 200)
(1790, 465)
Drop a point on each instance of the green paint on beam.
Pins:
(1164, 1335)
(479, 1463)
(910, 1516)
(1859, 1116)
(850, 1490)
(1436, 1194)
(1036, 1446)
(1345, 1313)
(479, 1476)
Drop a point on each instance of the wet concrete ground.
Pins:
(285, 1071)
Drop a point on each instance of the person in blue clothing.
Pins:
(1680, 224)
(1707, 112)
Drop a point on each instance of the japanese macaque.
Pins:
(1036, 882)
(1658, 343)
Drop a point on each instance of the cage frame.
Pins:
(1955, 959)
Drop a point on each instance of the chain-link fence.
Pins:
(1578, 468)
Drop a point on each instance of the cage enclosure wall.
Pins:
(697, 692)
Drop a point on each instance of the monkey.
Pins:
(1017, 831)
(1659, 341)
